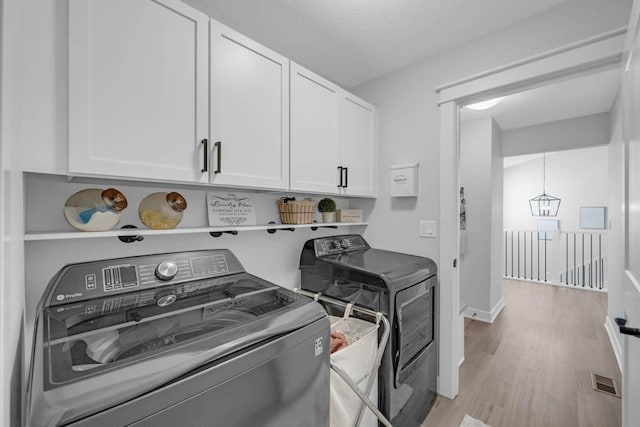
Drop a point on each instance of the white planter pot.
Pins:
(328, 217)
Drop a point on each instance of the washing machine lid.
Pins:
(397, 270)
(95, 354)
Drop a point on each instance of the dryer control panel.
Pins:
(339, 244)
(81, 282)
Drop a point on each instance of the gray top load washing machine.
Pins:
(404, 288)
(177, 339)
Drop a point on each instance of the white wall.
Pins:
(578, 177)
(11, 224)
(481, 177)
(497, 245)
(274, 257)
(475, 178)
(578, 132)
(616, 187)
(409, 117)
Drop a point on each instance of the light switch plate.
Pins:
(427, 229)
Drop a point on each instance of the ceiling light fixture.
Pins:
(544, 204)
(484, 105)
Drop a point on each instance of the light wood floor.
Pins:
(532, 366)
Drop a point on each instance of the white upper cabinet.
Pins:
(138, 89)
(159, 91)
(358, 149)
(315, 132)
(250, 112)
(333, 147)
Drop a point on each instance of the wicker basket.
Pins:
(296, 211)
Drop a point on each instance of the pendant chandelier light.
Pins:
(544, 204)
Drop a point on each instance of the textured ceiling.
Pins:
(581, 96)
(354, 41)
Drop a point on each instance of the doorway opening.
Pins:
(583, 58)
(571, 248)
(510, 353)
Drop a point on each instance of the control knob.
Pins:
(166, 270)
(344, 243)
(165, 298)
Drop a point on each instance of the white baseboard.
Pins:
(497, 309)
(611, 328)
(460, 362)
(485, 316)
(561, 285)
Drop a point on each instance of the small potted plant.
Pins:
(328, 208)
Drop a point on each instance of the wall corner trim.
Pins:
(485, 316)
(616, 32)
(614, 338)
(593, 53)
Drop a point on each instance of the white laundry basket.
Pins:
(357, 360)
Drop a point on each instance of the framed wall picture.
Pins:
(546, 227)
(593, 217)
(230, 208)
(403, 180)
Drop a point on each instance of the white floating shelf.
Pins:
(64, 235)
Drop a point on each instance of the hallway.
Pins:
(532, 366)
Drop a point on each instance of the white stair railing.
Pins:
(573, 258)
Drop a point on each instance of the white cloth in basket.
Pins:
(357, 361)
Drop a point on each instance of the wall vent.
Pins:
(604, 384)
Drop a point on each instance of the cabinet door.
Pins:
(138, 85)
(250, 112)
(315, 132)
(358, 146)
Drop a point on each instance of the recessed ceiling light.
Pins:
(484, 105)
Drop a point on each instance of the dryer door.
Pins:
(414, 325)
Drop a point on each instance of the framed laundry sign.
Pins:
(403, 180)
(230, 208)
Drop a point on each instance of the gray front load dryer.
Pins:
(181, 339)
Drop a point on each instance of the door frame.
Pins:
(583, 57)
(629, 390)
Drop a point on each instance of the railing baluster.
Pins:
(545, 256)
(575, 264)
(583, 269)
(524, 234)
(566, 270)
(505, 252)
(531, 252)
(511, 253)
(600, 259)
(590, 260)
(518, 254)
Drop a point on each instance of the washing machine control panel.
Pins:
(339, 244)
(166, 270)
(81, 282)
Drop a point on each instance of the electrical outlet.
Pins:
(427, 228)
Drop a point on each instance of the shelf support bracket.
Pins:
(322, 226)
(220, 233)
(273, 230)
(130, 239)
